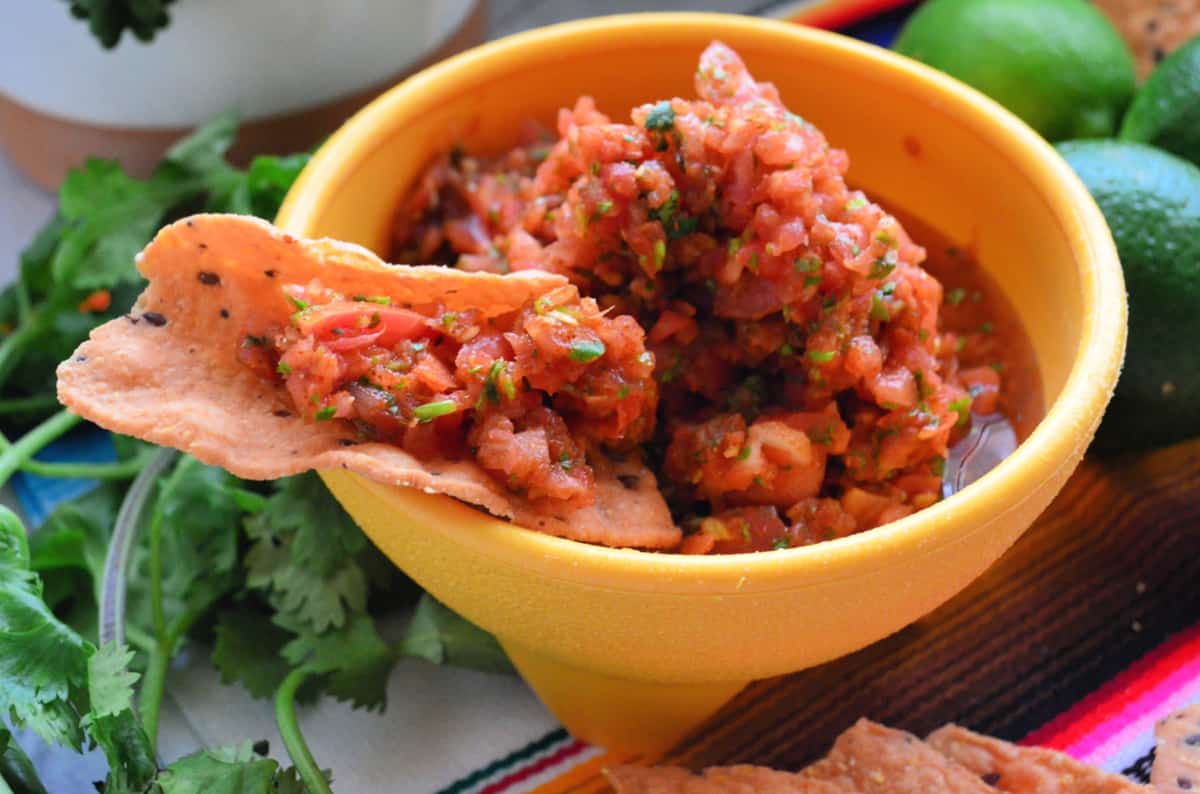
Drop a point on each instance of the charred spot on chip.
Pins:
(1184, 783)
(155, 319)
(630, 481)
(282, 414)
(350, 442)
(269, 273)
(224, 314)
(208, 278)
(202, 246)
(991, 778)
(80, 359)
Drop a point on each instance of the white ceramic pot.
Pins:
(278, 63)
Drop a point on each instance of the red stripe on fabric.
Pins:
(510, 780)
(840, 15)
(1082, 718)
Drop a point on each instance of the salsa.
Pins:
(810, 374)
(525, 394)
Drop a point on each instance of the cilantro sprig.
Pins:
(104, 218)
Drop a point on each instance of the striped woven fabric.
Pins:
(1079, 638)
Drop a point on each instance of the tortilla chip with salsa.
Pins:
(269, 355)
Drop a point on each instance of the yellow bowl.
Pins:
(632, 649)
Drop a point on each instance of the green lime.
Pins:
(1058, 64)
(1166, 111)
(1151, 201)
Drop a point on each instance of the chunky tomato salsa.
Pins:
(525, 394)
(764, 335)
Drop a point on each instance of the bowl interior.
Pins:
(917, 141)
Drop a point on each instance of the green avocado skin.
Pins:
(1151, 200)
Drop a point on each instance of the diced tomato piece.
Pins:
(341, 321)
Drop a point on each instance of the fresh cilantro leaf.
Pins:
(199, 518)
(265, 184)
(324, 534)
(320, 602)
(204, 150)
(131, 762)
(16, 770)
(36, 258)
(354, 656)
(112, 216)
(110, 683)
(76, 533)
(442, 636)
(43, 663)
(224, 770)
(247, 650)
(304, 554)
(289, 782)
(69, 550)
(57, 683)
(109, 19)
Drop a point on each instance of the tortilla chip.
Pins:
(169, 373)
(1025, 770)
(1153, 29)
(741, 779)
(1177, 756)
(873, 759)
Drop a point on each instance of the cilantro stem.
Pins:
(139, 639)
(156, 671)
(27, 445)
(24, 307)
(16, 767)
(121, 470)
(293, 738)
(23, 404)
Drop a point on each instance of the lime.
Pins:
(1166, 111)
(1151, 201)
(1058, 64)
